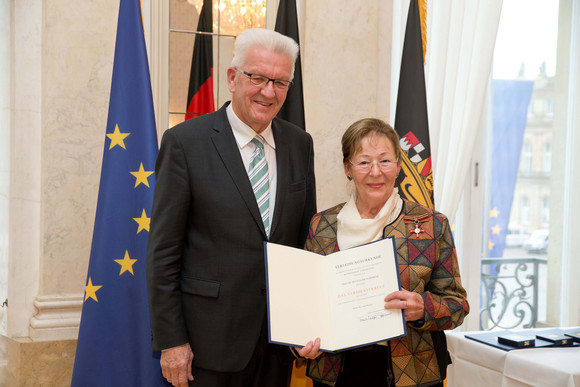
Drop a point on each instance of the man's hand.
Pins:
(176, 365)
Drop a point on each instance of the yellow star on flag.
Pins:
(495, 230)
(143, 222)
(117, 138)
(126, 263)
(91, 290)
(141, 176)
(493, 213)
(490, 245)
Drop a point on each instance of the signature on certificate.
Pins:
(375, 315)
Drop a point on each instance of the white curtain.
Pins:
(460, 43)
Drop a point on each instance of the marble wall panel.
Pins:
(79, 43)
(341, 67)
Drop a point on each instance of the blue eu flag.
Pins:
(510, 108)
(114, 343)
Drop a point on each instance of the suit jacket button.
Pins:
(263, 292)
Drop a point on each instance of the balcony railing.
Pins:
(509, 294)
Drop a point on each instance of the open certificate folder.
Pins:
(338, 297)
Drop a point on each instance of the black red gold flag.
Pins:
(287, 24)
(415, 180)
(200, 95)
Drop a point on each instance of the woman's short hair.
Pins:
(351, 139)
(268, 39)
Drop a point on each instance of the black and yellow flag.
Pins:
(287, 24)
(415, 180)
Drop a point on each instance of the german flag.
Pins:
(200, 95)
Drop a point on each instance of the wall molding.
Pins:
(58, 317)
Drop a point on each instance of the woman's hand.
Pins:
(410, 302)
(310, 350)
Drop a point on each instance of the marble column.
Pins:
(62, 56)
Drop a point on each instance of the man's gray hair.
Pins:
(268, 39)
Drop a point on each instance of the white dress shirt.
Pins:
(244, 135)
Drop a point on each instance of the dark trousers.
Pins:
(368, 367)
(270, 366)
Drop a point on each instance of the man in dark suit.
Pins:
(205, 260)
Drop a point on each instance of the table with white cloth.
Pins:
(476, 364)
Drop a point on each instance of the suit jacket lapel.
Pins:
(282, 167)
(227, 148)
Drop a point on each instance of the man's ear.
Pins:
(231, 77)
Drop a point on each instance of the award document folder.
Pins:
(338, 297)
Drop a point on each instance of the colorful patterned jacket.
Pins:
(427, 265)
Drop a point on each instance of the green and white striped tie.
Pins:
(258, 173)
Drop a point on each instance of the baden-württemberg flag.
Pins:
(411, 123)
(114, 344)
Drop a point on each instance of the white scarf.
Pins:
(352, 230)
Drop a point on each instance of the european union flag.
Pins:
(114, 344)
(510, 108)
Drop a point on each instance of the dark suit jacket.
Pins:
(205, 260)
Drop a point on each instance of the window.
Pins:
(545, 212)
(525, 210)
(547, 158)
(544, 192)
(526, 165)
(550, 107)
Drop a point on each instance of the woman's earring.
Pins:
(348, 177)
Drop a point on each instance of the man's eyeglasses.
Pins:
(366, 166)
(262, 81)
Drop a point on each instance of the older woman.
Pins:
(432, 296)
